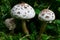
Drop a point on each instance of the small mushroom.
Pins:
(10, 24)
(23, 11)
(45, 16)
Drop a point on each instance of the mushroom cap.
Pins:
(46, 15)
(10, 24)
(23, 11)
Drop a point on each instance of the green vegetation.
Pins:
(52, 31)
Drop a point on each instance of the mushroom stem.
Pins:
(42, 29)
(24, 27)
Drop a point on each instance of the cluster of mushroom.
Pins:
(24, 11)
(21, 11)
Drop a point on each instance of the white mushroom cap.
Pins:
(46, 15)
(10, 23)
(23, 11)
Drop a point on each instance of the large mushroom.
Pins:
(23, 11)
(45, 16)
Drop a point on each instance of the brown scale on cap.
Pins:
(25, 7)
(42, 14)
(47, 17)
(18, 12)
(22, 4)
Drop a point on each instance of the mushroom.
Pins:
(45, 16)
(10, 24)
(23, 11)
